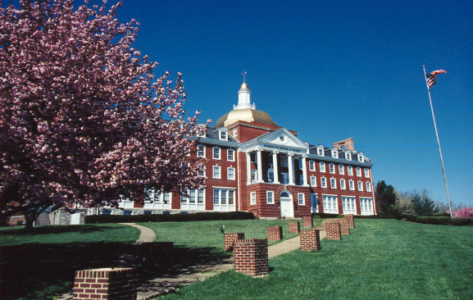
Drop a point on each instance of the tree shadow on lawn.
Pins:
(54, 229)
(40, 271)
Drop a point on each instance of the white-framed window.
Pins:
(283, 161)
(368, 186)
(343, 185)
(323, 182)
(194, 196)
(334, 153)
(223, 135)
(330, 204)
(200, 151)
(231, 173)
(216, 172)
(350, 170)
(270, 175)
(156, 200)
(201, 131)
(270, 197)
(300, 164)
(351, 185)
(230, 155)
(360, 186)
(366, 206)
(322, 166)
(313, 181)
(224, 199)
(367, 173)
(332, 168)
(311, 165)
(314, 203)
(333, 183)
(320, 151)
(301, 198)
(358, 171)
(253, 157)
(201, 170)
(284, 178)
(347, 155)
(254, 175)
(253, 198)
(235, 132)
(361, 158)
(349, 205)
(341, 170)
(216, 153)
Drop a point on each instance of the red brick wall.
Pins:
(333, 231)
(229, 240)
(344, 229)
(274, 233)
(251, 257)
(294, 227)
(308, 222)
(107, 283)
(310, 240)
(351, 221)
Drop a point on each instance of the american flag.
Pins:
(431, 77)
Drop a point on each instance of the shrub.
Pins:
(441, 214)
(316, 217)
(409, 217)
(466, 212)
(461, 221)
(327, 216)
(377, 217)
(433, 220)
(168, 217)
(19, 222)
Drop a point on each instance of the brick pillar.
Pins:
(294, 227)
(251, 257)
(159, 254)
(310, 240)
(229, 240)
(333, 231)
(274, 233)
(344, 228)
(308, 221)
(106, 283)
(350, 220)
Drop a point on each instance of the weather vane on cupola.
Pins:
(244, 73)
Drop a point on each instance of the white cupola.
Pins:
(244, 98)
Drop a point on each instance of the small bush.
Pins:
(19, 222)
(466, 212)
(378, 217)
(92, 219)
(433, 220)
(440, 214)
(409, 217)
(316, 217)
(326, 216)
(461, 221)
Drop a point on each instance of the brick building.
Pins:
(257, 166)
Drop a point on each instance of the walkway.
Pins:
(147, 234)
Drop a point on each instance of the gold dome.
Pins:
(244, 86)
(247, 114)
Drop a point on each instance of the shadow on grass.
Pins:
(41, 271)
(19, 231)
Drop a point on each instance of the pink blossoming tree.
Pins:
(82, 120)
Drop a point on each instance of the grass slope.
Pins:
(382, 259)
(207, 233)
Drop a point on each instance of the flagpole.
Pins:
(438, 143)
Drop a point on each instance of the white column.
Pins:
(248, 168)
(290, 164)
(260, 166)
(304, 171)
(275, 167)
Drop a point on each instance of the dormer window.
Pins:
(347, 155)
(334, 153)
(201, 131)
(361, 158)
(223, 136)
(320, 151)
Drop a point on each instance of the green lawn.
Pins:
(42, 265)
(207, 233)
(382, 259)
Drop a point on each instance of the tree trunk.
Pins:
(28, 222)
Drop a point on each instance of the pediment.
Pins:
(282, 137)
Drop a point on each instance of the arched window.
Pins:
(285, 194)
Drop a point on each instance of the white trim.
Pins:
(219, 153)
(344, 185)
(333, 201)
(334, 180)
(334, 153)
(219, 172)
(228, 173)
(223, 194)
(349, 205)
(312, 210)
(351, 184)
(311, 165)
(367, 173)
(313, 181)
(322, 185)
(202, 148)
(224, 137)
(350, 170)
(368, 186)
(360, 184)
(320, 151)
(253, 198)
(223, 187)
(331, 168)
(322, 166)
(228, 154)
(341, 169)
(358, 172)
(267, 197)
(298, 198)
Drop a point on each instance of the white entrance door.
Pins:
(286, 204)
(314, 203)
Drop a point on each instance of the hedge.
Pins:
(92, 219)
(328, 216)
(433, 220)
(437, 219)
(376, 217)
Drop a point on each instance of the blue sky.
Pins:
(332, 70)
